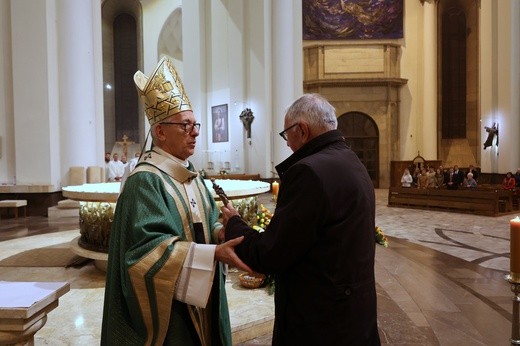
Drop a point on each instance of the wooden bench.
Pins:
(15, 203)
(475, 201)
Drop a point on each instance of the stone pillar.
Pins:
(287, 68)
(35, 92)
(194, 70)
(77, 82)
(56, 88)
(429, 114)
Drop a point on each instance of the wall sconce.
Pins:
(247, 118)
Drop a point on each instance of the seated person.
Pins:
(517, 177)
(406, 179)
(473, 171)
(432, 180)
(470, 181)
(439, 178)
(415, 176)
(452, 182)
(423, 179)
(509, 182)
(460, 176)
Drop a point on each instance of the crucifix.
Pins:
(125, 143)
(492, 132)
(247, 118)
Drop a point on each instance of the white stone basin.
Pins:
(238, 188)
(98, 203)
(100, 192)
(109, 192)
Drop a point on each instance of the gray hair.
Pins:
(315, 110)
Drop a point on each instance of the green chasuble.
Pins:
(151, 233)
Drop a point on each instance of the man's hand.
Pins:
(226, 253)
(227, 213)
(221, 236)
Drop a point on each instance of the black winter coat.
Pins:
(320, 245)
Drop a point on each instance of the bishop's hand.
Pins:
(225, 253)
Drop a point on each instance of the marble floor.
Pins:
(440, 282)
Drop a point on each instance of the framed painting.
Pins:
(352, 20)
(219, 122)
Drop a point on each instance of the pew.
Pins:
(481, 201)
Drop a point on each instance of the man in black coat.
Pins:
(320, 244)
(459, 175)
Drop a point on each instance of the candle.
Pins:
(515, 249)
(274, 187)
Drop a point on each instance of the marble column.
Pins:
(429, 114)
(287, 60)
(35, 92)
(56, 74)
(79, 89)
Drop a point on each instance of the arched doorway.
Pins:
(362, 136)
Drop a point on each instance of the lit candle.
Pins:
(515, 249)
(275, 186)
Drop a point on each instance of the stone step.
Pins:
(251, 311)
(68, 204)
(57, 213)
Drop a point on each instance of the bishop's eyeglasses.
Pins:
(188, 127)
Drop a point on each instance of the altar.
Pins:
(98, 203)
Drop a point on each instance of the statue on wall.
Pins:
(492, 132)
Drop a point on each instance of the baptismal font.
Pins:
(98, 203)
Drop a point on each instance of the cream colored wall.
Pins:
(36, 122)
(515, 87)
(500, 83)
(228, 59)
(411, 95)
(154, 16)
(7, 152)
(219, 53)
(53, 90)
(194, 72)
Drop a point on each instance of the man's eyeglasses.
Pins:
(283, 134)
(188, 127)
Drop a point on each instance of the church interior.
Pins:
(429, 81)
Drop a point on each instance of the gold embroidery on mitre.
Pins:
(163, 92)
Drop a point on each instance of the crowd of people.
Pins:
(115, 168)
(451, 178)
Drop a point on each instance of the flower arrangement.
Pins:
(381, 237)
(263, 218)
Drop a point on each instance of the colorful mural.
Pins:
(354, 19)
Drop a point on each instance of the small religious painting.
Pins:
(219, 117)
(352, 20)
